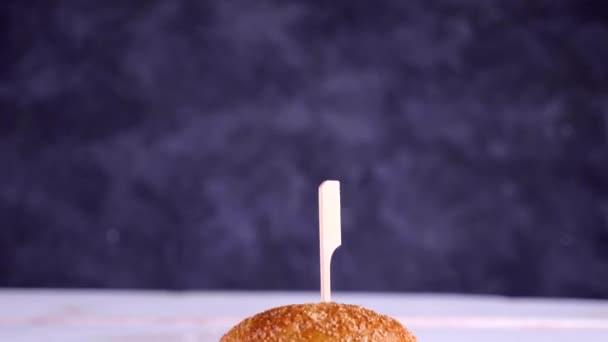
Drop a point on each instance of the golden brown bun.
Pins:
(319, 322)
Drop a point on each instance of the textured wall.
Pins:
(179, 144)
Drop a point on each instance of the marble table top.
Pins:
(129, 316)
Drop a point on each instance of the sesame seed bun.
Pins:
(319, 322)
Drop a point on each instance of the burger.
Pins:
(326, 321)
(319, 322)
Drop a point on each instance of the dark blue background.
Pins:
(179, 144)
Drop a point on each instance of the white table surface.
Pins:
(129, 316)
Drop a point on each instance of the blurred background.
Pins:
(179, 144)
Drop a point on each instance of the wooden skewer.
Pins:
(330, 236)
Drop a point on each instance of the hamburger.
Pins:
(326, 321)
(319, 322)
